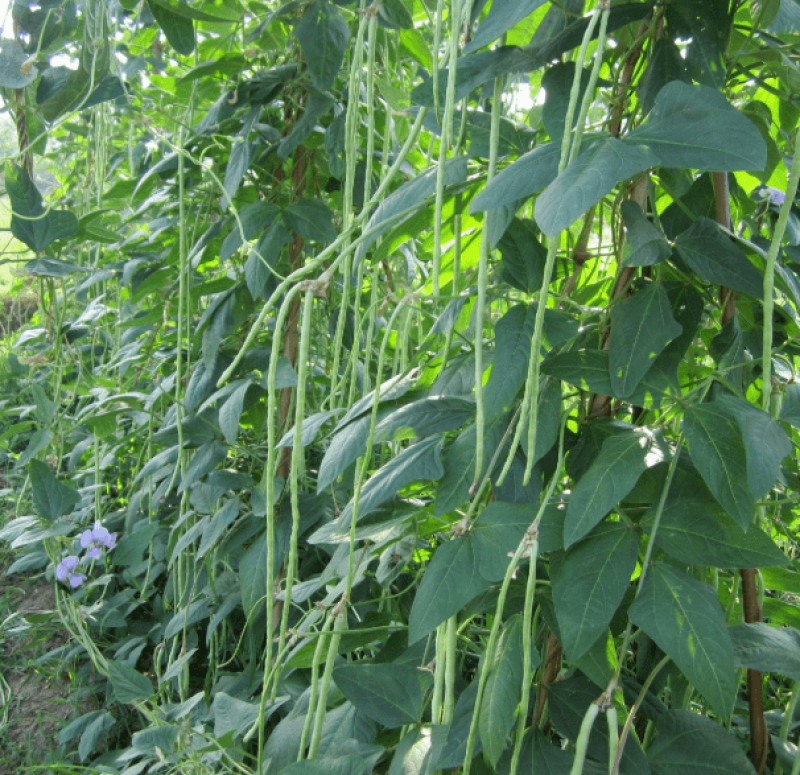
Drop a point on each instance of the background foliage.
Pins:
(413, 385)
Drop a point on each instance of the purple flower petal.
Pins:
(94, 552)
(86, 538)
(76, 579)
(66, 567)
(111, 541)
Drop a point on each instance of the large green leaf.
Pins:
(501, 694)
(419, 750)
(698, 531)
(425, 417)
(323, 34)
(591, 176)
(51, 497)
(691, 743)
(767, 649)
(765, 441)
(495, 535)
(696, 127)
(608, 480)
(523, 177)
(350, 764)
(451, 580)
(128, 684)
(502, 16)
(178, 28)
(589, 585)
(717, 259)
(686, 621)
(459, 464)
(16, 71)
(641, 327)
(645, 243)
(523, 256)
(557, 83)
(391, 694)
(718, 452)
(419, 461)
(513, 334)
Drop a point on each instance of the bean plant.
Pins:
(413, 384)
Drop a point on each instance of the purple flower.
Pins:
(65, 571)
(776, 196)
(96, 539)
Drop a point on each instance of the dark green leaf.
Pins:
(238, 164)
(502, 16)
(501, 694)
(608, 480)
(641, 327)
(419, 750)
(309, 429)
(663, 66)
(691, 743)
(311, 219)
(591, 176)
(557, 83)
(523, 256)
(523, 177)
(717, 259)
(52, 267)
(232, 715)
(451, 580)
(698, 531)
(696, 127)
(496, 533)
(718, 452)
(425, 417)
(231, 411)
(419, 461)
(391, 694)
(767, 649)
(323, 36)
(51, 497)
(318, 106)
(645, 243)
(686, 621)
(178, 29)
(513, 334)
(128, 684)
(459, 464)
(351, 764)
(589, 585)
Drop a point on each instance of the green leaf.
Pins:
(419, 750)
(501, 694)
(425, 417)
(608, 480)
(128, 684)
(696, 127)
(459, 464)
(591, 176)
(238, 164)
(496, 533)
(686, 621)
(407, 199)
(664, 64)
(16, 68)
(717, 259)
(513, 334)
(548, 418)
(698, 531)
(523, 177)
(451, 580)
(311, 219)
(391, 694)
(323, 36)
(155, 739)
(690, 743)
(502, 16)
(231, 411)
(645, 243)
(394, 14)
(351, 764)
(765, 441)
(95, 732)
(51, 497)
(719, 454)
(178, 28)
(557, 83)
(567, 702)
(419, 461)
(253, 575)
(767, 649)
(347, 445)
(232, 715)
(523, 256)
(309, 429)
(641, 327)
(589, 585)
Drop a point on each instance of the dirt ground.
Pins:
(35, 701)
